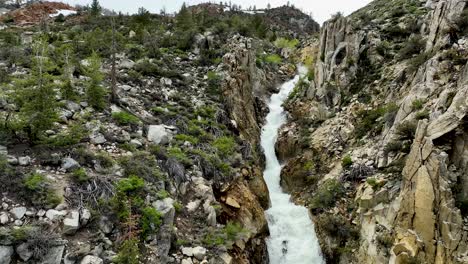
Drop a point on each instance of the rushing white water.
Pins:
(292, 236)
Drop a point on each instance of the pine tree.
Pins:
(95, 93)
(36, 96)
(184, 18)
(95, 8)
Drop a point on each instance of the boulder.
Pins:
(97, 139)
(70, 164)
(160, 134)
(126, 64)
(166, 207)
(105, 225)
(199, 252)
(91, 260)
(71, 223)
(6, 252)
(54, 215)
(4, 219)
(18, 212)
(24, 161)
(23, 252)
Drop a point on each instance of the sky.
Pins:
(321, 9)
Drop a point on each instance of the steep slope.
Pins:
(135, 139)
(384, 121)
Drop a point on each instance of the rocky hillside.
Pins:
(376, 143)
(135, 139)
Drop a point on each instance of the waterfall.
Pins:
(292, 235)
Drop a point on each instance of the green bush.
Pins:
(179, 154)
(130, 185)
(327, 195)
(150, 221)
(142, 164)
(124, 118)
(129, 253)
(73, 136)
(346, 162)
(183, 138)
(80, 175)
(225, 145)
(368, 121)
(407, 130)
(417, 104)
(394, 146)
(214, 83)
(413, 46)
(42, 193)
(422, 115)
(273, 59)
(286, 43)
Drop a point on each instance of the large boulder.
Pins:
(71, 223)
(91, 260)
(160, 134)
(6, 252)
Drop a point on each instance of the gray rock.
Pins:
(126, 64)
(105, 225)
(98, 139)
(65, 115)
(187, 251)
(136, 143)
(193, 206)
(199, 252)
(166, 207)
(3, 150)
(166, 81)
(160, 134)
(23, 252)
(70, 164)
(4, 219)
(18, 212)
(72, 106)
(12, 160)
(54, 215)
(85, 216)
(54, 255)
(71, 224)
(6, 252)
(24, 161)
(91, 260)
(187, 261)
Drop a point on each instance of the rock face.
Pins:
(242, 80)
(408, 192)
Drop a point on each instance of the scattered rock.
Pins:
(160, 134)
(18, 212)
(6, 253)
(70, 164)
(199, 252)
(232, 202)
(54, 215)
(4, 219)
(24, 161)
(91, 260)
(71, 223)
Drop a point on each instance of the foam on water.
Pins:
(292, 235)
